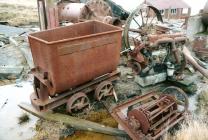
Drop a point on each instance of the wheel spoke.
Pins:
(147, 15)
(152, 19)
(142, 17)
(77, 102)
(109, 90)
(179, 95)
(136, 22)
(82, 100)
(103, 90)
(74, 106)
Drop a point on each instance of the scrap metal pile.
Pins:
(151, 115)
(154, 52)
(69, 12)
(75, 60)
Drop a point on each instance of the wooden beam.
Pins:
(78, 124)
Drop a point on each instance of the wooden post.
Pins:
(78, 124)
(42, 14)
(52, 14)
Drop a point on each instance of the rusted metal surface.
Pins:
(52, 14)
(78, 102)
(46, 103)
(193, 62)
(69, 56)
(154, 37)
(104, 89)
(158, 46)
(100, 10)
(149, 116)
(179, 95)
(140, 20)
(100, 7)
(199, 47)
(151, 48)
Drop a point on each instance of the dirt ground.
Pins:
(17, 14)
(27, 3)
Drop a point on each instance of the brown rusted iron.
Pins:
(154, 42)
(44, 103)
(136, 67)
(199, 47)
(104, 89)
(193, 62)
(51, 14)
(69, 59)
(154, 37)
(78, 102)
(75, 54)
(148, 116)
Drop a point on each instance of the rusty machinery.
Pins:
(154, 51)
(72, 61)
(53, 14)
(149, 116)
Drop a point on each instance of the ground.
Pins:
(18, 13)
(22, 13)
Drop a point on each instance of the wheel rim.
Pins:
(78, 102)
(180, 97)
(104, 89)
(140, 19)
(136, 67)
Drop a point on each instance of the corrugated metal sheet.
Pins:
(166, 4)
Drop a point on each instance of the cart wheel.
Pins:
(179, 95)
(78, 102)
(104, 89)
(136, 67)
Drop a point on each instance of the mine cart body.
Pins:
(67, 57)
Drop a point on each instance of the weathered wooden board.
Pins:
(78, 124)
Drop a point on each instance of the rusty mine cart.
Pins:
(73, 61)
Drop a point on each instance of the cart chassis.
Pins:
(41, 103)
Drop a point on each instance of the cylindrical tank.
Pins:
(72, 12)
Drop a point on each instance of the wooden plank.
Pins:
(78, 124)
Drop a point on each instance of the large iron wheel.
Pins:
(140, 23)
(78, 102)
(104, 89)
(99, 8)
(180, 97)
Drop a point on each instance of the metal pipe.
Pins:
(193, 62)
(180, 39)
(173, 47)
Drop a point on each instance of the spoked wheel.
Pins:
(140, 23)
(78, 102)
(104, 89)
(180, 97)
